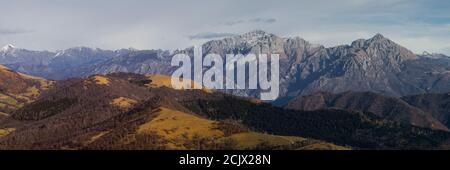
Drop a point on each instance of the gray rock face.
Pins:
(365, 65)
(141, 62)
(377, 65)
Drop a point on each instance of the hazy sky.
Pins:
(145, 24)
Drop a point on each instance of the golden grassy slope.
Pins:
(176, 127)
(19, 88)
(166, 81)
(6, 131)
(252, 139)
(45, 84)
(123, 102)
(100, 80)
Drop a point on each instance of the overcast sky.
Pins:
(420, 25)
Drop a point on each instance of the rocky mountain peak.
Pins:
(255, 36)
(255, 33)
(378, 36)
(8, 47)
(380, 46)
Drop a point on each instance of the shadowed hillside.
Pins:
(436, 104)
(389, 108)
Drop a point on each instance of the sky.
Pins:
(419, 25)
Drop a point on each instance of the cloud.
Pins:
(210, 35)
(12, 31)
(326, 22)
(231, 23)
(252, 20)
(263, 20)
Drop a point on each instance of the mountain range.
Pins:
(377, 64)
(370, 94)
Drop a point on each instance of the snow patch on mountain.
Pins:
(8, 48)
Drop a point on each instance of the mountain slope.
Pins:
(140, 62)
(365, 65)
(389, 108)
(61, 64)
(180, 128)
(427, 74)
(124, 111)
(356, 129)
(436, 104)
(17, 89)
(11, 55)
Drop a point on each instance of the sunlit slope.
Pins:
(159, 80)
(16, 89)
(179, 127)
